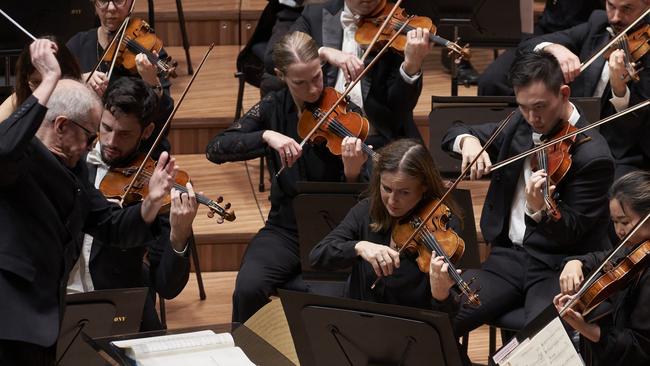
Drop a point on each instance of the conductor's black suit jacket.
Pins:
(44, 207)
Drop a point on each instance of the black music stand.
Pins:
(482, 23)
(98, 313)
(445, 111)
(319, 207)
(338, 331)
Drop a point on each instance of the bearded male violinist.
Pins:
(390, 91)
(47, 202)
(528, 242)
(126, 122)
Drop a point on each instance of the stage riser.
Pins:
(220, 257)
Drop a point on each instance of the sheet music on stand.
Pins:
(548, 346)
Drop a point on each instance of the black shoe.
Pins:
(466, 74)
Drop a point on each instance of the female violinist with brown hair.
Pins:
(627, 340)
(404, 178)
(271, 128)
(28, 78)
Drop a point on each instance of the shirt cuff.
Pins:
(456, 148)
(183, 252)
(620, 103)
(541, 46)
(409, 79)
(537, 216)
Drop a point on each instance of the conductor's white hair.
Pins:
(72, 99)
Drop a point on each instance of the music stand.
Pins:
(338, 331)
(98, 313)
(445, 111)
(319, 207)
(483, 23)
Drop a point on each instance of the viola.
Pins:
(339, 124)
(556, 162)
(138, 38)
(371, 25)
(117, 180)
(436, 236)
(614, 279)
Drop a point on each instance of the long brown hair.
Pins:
(24, 68)
(292, 48)
(413, 159)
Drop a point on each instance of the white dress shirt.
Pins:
(80, 279)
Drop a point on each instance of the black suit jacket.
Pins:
(44, 206)
(627, 136)
(388, 100)
(166, 273)
(582, 193)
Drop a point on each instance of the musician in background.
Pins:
(528, 243)
(88, 46)
(47, 201)
(390, 91)
(404, 178)
(28, 78)
(162, 264)
(607, 79)
(627, 340)
(270, 128)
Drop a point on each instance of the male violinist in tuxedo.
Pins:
(528, 242)
(390, 91)
(46, 202)
(607, 78)
(129, 105)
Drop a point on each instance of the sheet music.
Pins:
(203, 348)
(551, 346)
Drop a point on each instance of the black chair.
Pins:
(250, 63)
(181, 22)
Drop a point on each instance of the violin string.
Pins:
(339, 129)
(137, 47)
(199, 197)
(433, 244)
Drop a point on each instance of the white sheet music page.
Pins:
(203, 348)
(551, 346)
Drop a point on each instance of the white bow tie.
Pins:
(348, 19)
(94, 157)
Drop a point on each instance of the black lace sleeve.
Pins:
(243, 139)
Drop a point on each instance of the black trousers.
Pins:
(271, 260)
(509, 279)
(23, 353)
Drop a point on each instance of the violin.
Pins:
(635, 46)
(633, 43)
(339, 124)
(436, 236)
(138, 38)
(556, 162)
(603, 282)
(117, 180)
(371, 25)
(614, 279)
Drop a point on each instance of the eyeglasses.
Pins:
(90, 135)
(103, 4)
